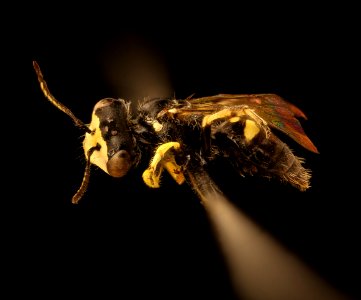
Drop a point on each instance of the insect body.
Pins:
(186, 135)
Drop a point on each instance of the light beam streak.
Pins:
(260, 268)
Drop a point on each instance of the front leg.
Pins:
(163, 158)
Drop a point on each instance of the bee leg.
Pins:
(174, 169)
(163, 158)
(233, 115)
(219, 115)
(206, 141)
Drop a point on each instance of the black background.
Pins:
(124, 238)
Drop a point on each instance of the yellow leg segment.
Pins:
(253, 123)
(174, 170)
(163, 158)
(223, 114)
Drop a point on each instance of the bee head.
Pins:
(110, 130)
(108, 141)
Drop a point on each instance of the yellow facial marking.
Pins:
(250, 130)
(98, 158)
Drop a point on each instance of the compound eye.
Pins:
(119, 164)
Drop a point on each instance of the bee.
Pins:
(184, 136)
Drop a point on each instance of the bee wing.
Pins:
(277, 112)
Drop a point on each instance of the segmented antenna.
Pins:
(84, 185)
(51, 98)
(44, 87)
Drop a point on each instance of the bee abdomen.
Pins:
(260, 151)
(297, 175)
(278, 160)
(266, 155)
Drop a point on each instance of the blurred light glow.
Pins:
(135, 69)
(260, 268)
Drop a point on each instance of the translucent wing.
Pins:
(277, 112)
